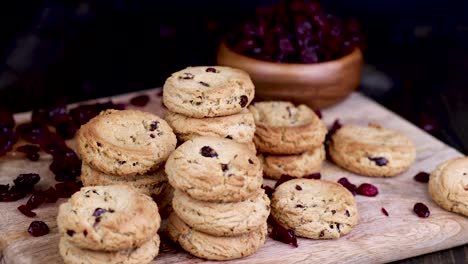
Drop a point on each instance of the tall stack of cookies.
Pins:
(220, 210)
(108, 224)
(127, 147)
(210, 101)
(290, 139)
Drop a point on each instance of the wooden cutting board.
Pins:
(376, 239)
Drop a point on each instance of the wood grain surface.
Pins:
(376, 239)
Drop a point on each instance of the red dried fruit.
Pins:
(281, 233)
(99, 211)
(421, 210)
(13, 194)
(66, 129)
(36, 199)
(379, 161)
(27, 180)
(351, 187)
(4, 188)
(24, 209)
(38, 228)
(243, 100)
(51, 195)
(315, 176)
(422, 177)
(283, 179)
(140, 100)
(66, 169)
(208, 152)
(67, 189)
(384, 211)
(6, 120)
(332, 130)
(27, 149)
(367, 189)
(8, 138)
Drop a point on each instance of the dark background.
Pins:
(68, 51)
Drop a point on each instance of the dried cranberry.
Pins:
(40, 115)
(36, 199)
(24, 209)
(384, 211)
(379, 161)
(6, 120)
(67, 189)
(66, 129)
(367, 189)
(82, 114)
(57, 115)
(224, 167)
(208, 152)
(211, 69)
(154, 125)
(243, 100)
(336, 125)
(4, 187)
(351, 187)
(421, 210)
(27, 180)
(284, 178)
(13, 194)
(33, 156)
(268, 190)
(38, 228)
(51, 195)
(281, 233)
(422, 177)
(316, 176)
(99, 211)
(160, 93)
(66, 169)
(109, 105)
(28, 149)
(140, 100)
(8, 138)
(33, 132)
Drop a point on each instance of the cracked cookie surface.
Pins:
(126, 142)
(315, 209)
(299, 165)
(145, 253)
(215, 170)
(208, 91)
(115, 217)
(222, 219)
(152, 183)
(238, 127)
(283, 128)
(372, 150)
(214, 247)
(448, 185)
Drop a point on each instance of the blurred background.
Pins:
(416, 56)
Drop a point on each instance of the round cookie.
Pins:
(149, 184)
(108, 218)
(238, 127)
(145, 253)
(215, 170)
(314, 208)
(222, 219)
(448, 185)
(214, 247)
(372, 150)
(282, 128)
(208, 91)
(294, 165)
(125, 143)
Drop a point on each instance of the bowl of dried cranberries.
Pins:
(295, 51)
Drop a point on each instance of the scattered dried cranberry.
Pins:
(208, 152)
(243, 100)
(351, 187)
(160, 93)
(281, 233)
(384, 211)
(367, 189)
(6, 120)
(28, 149)
(83, 113)
(422, 177)
(33, 132)
(332, 130)
(24, 209)
(99, 212)
(210, 69)
(57, 115)
(284, 178)
(51, 195)
(315, 176)
(66, 129)
(13, 194)
(154, 125)
(421, 210)
(8, 138)
(379, 161)
(4, 187)
(27, 180)
(36, 199)
(140, 100)
(66, 169)
(67, 189)
(268, 190)
(38, 228)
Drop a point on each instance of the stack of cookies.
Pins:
(108, 224)
(127, 147)
(210, 101)
(290, 139)
(220, 210)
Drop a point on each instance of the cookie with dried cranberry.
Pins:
(208, 91)
(372, 150)
(299, 165)
(125, 143)
(145, 253)
(448, 185)
(108, 218)
(211, 247)
(222, 219)
(238, 127)
(152, 183)
(215, 170)
(284, 129)
(315, 209)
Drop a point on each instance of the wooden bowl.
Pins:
(318, 85)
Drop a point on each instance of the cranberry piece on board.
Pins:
(38, 228)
